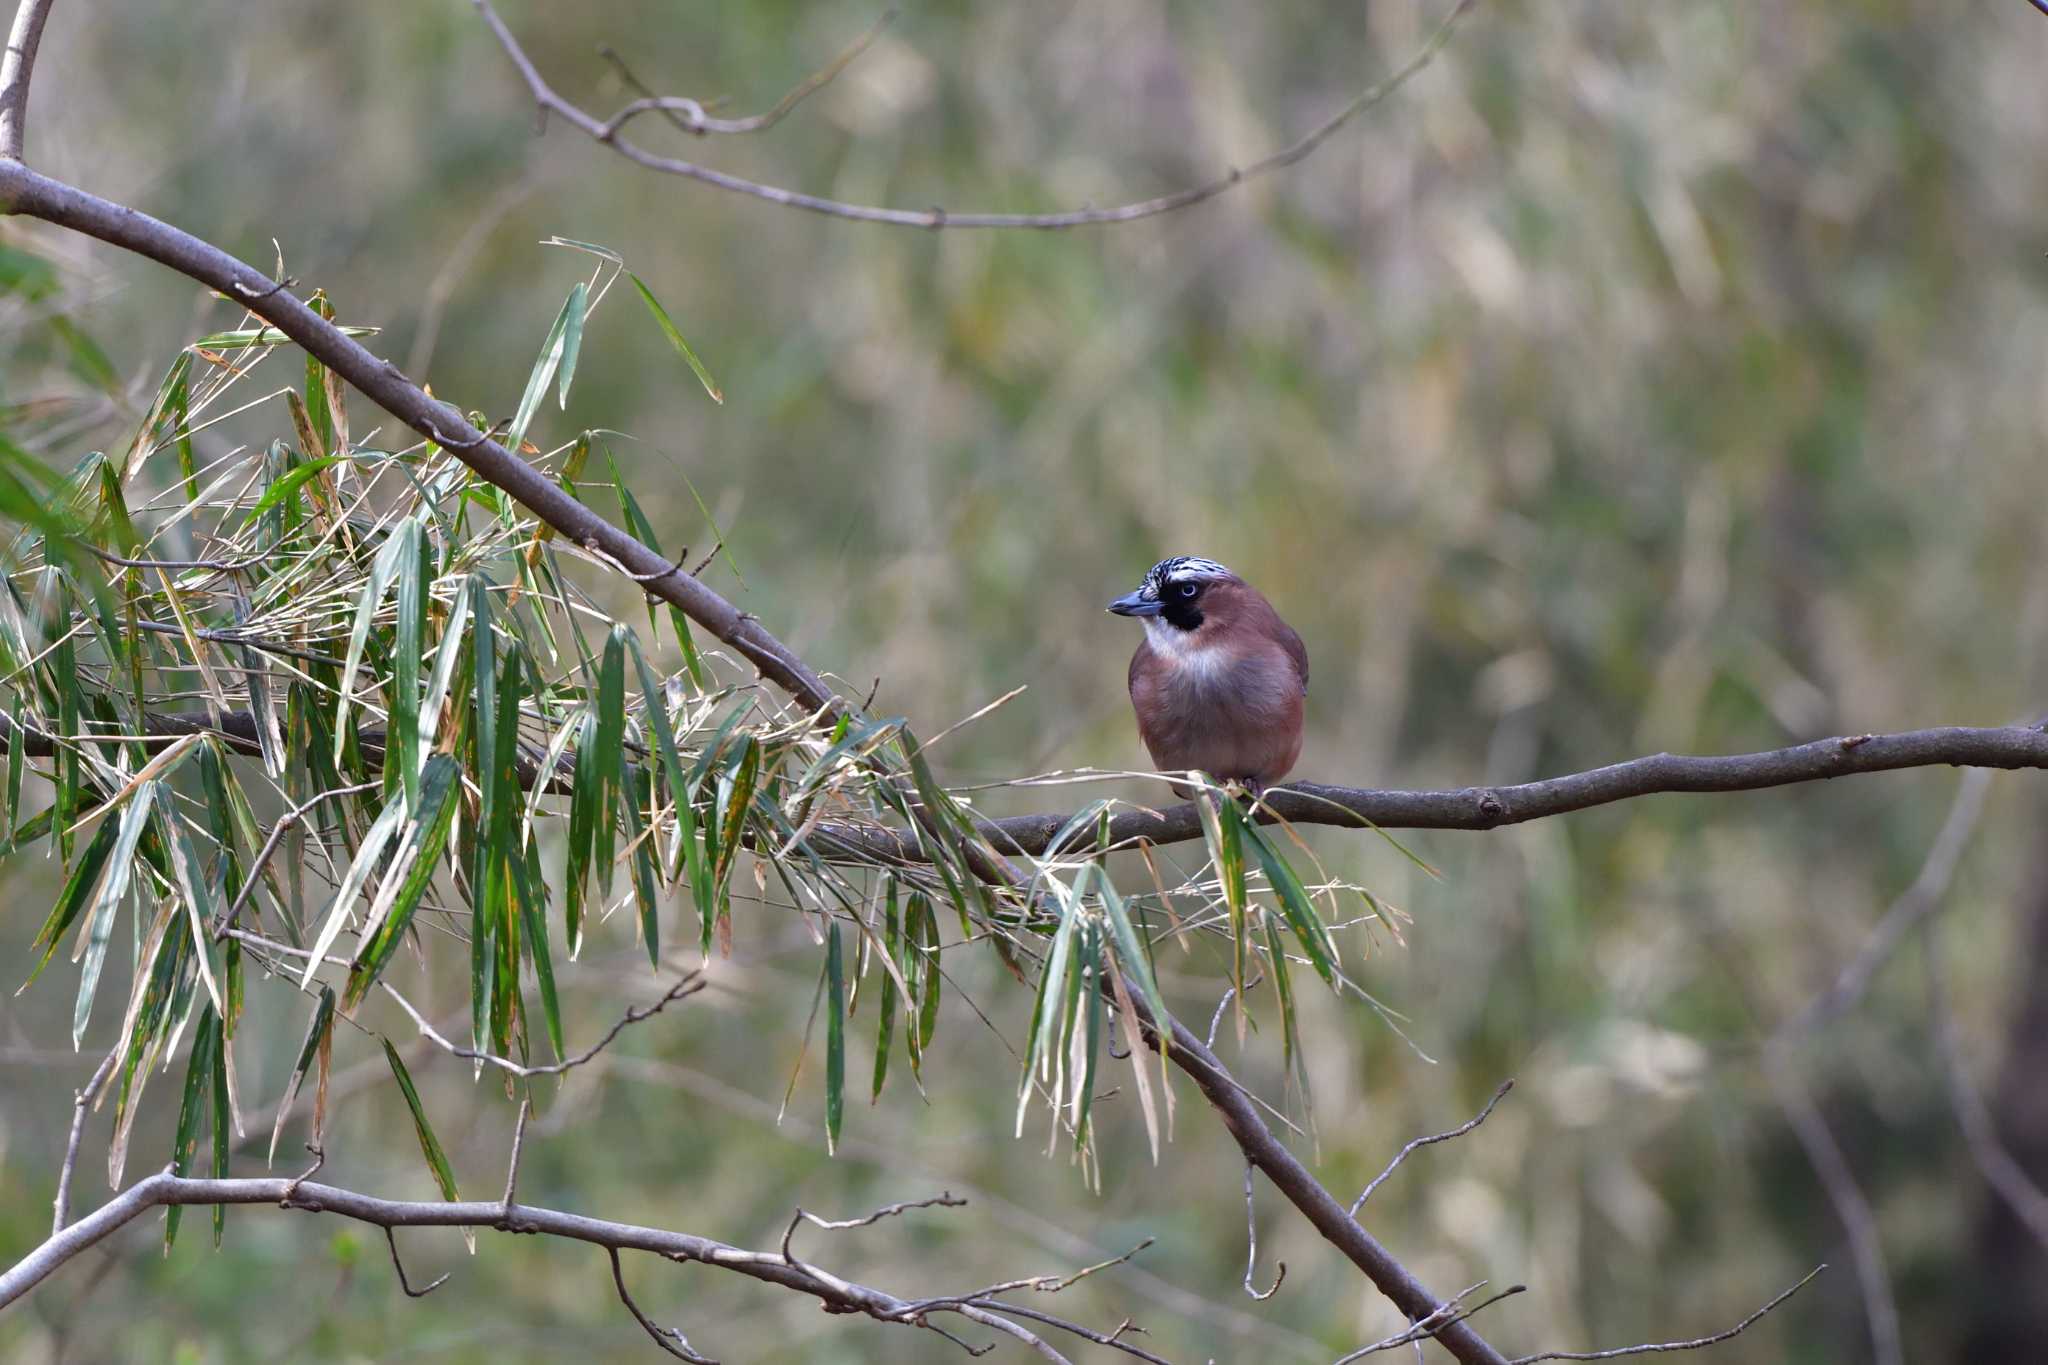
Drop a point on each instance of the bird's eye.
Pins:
(1189, 589)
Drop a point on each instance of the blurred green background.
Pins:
(1638, 377)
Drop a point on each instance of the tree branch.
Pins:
(1483, 808)
(26, 192)
(165, 1189)
(17, 64)
(606, 131)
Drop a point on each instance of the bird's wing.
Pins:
(1296, 651)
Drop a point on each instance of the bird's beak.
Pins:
(1134, 604)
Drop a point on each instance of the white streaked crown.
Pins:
(1179, 569)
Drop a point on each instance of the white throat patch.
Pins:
(1199, 660)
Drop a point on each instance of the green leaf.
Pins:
(382, 570)
(407, 643)
(1296, 907)
(551, 352)
(675, 338)
(223, 1140)
(586, 809)
(1131, 953)
(406, 881)
(316, 1032)
(260, 336)
(198, 1078)
(287, 485)
(430, 1146)
(84, 875)
(352, 882)
(835, 1039)
(531, 904)
(885, 1024)
(928, 1007)
(1040, 1042)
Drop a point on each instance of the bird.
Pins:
(1219, 682)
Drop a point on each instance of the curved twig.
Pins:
(606, 131)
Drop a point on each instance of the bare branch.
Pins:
(682, 990)
(945, 1200)
(17, 64)
(606, 131)
(165, 1188)
(81, 1103)
(1457, 1132)
(670, 1339)
(518, 1144)
(1914, 906)
(1451, 1310)
(1484, 808)
(1695, 1344)
(689, 116)
(263, 855)
(1838, 1181)
(1294, 1180)
(2007, 1178)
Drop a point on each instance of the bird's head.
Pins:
(1182, 595)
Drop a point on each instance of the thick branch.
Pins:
(607, 132)
(1312, 803)
(26, 192)
(163, 1189)
(1262, 1149)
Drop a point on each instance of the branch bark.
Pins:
(1483, 808)
(165, 1189)
(17, 64)
(24, 191)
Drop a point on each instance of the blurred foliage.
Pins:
(1638, 378)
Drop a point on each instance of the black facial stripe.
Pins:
(1183, 613)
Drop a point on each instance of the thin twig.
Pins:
(518, 1142)
(670, 1339)
(688, 115)
(1457, 1132)
(2007, 1178)
(1852, 1207)
(1914, 907)
(1652, 1348)
(1446, 1314)
(683, 989)
(945, 1200)
(1251, 1237)
(606, 131)
(80, 1104)
(254, 874)
(403, 1283)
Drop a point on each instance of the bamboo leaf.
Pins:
(430, 1146)
(198, 1078)
(835, 1039)
(406, 880)
(1296, 907)
(407, 643)
(382, 570)
(316, 1034)
(352, 882)
(551, 352)
(675, 338)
